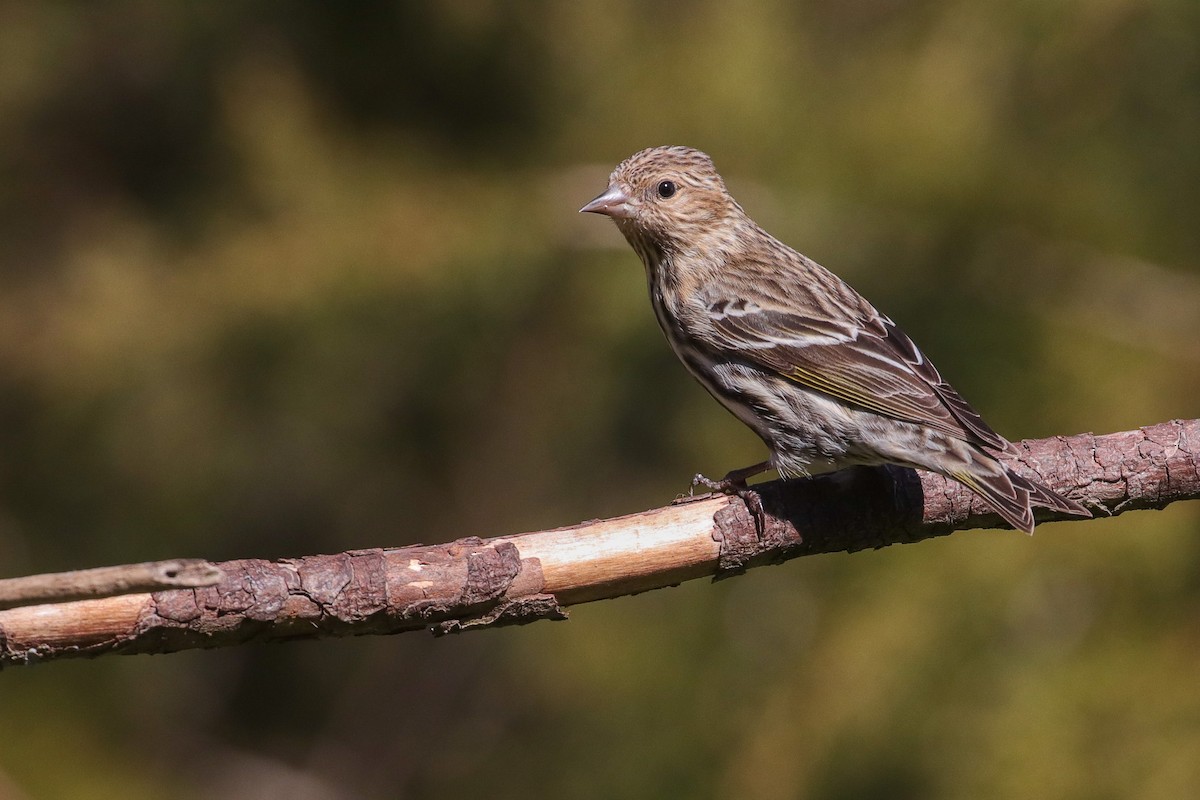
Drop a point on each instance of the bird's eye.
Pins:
(666, 189)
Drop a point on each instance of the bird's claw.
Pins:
(737, 488)
(712, 487)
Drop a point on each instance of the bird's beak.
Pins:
(614, 203)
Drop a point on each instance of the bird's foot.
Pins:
(712, 487)
(734, 484)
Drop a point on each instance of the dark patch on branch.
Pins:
(873, 507)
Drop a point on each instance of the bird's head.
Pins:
(667, 195)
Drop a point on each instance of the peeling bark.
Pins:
(477, 583)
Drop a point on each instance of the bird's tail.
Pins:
(1012, 495)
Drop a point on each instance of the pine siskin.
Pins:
(794, 352)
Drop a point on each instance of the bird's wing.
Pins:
(867, 361)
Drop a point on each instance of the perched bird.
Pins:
(793, 351)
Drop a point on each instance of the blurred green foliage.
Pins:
(280, 278)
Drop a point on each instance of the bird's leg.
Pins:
(735, 483)
(732, 482)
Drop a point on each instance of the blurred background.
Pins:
(287, 278)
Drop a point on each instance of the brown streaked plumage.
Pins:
(793, 351)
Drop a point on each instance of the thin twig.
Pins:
(151, 576)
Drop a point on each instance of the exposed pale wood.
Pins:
(474, 582)
(626, 554)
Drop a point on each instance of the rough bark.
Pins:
(479, 583)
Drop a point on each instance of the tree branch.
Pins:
(477, 583)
